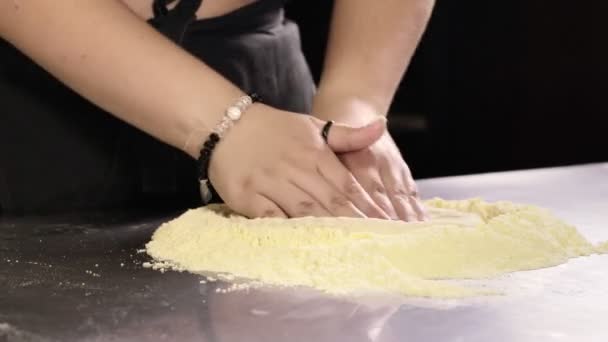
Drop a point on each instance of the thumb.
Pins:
(342, 138)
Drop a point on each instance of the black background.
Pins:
(495, 85)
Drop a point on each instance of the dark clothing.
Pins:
(59, 152)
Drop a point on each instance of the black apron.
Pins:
(59, 152)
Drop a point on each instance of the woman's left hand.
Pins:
(379, 168)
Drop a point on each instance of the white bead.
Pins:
(234, 113)
(243, 102)
(205, 191)
(246, 100)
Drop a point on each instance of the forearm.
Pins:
(117, 61)
(370, 46)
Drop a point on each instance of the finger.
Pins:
(342, 138)
(414, 195)
(336, 203)
(295, 201)
(372, 183)
(398, 194)
(260, 206)
(375, 187)
(416, 203)
(405, 206)
(335, 173)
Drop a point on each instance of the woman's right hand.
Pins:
(274, 163)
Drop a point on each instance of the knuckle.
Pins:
(306, 205)
(351, 187)
(269, 212)
(413, 190)
(305, 208)
(338, 202)
(400, 192)
(377, 188)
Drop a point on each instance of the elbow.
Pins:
(424, 8)
(13, 16)
(428, 5)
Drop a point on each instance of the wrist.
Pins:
(231, 116)
(345, 108)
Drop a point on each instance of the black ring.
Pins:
(325, 130)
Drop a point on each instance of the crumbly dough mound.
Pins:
(462, 240)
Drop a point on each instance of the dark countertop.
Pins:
(80, 278)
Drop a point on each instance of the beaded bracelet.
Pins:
(231, 115)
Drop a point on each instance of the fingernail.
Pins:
(381, 120)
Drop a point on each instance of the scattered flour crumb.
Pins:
(258, 312)
(161, 266)
(91, 273)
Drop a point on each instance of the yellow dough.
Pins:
(466, 239)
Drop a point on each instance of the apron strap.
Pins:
(173, 23)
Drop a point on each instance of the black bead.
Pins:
(208, 146)
(255, 97)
